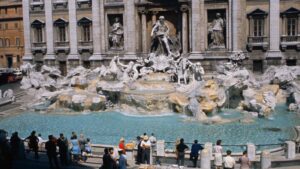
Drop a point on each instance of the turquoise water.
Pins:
(108, 127)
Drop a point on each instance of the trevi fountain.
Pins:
(164, 93)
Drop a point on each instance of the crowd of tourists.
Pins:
(78, 149)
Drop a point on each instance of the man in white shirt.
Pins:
(152, 139)
(146, 144)
(229, 161)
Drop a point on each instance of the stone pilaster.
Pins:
(27, 38)
(274, 51)
(97, 56)
(198, 45)
(184, 10)
(154, 17)
(73, 32)
(238, 23)
(143, 11)
(130, 36)
(298, 24)
(49, 31)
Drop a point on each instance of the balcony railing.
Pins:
(290, 41)
(85, 46)
(62, 47)
(39, 44)
(39, 47)
(258, 41)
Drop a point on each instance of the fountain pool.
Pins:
(108, 127)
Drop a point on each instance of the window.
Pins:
(38, 34)
(61, 26)
(6, 26)
(61, 33)
(16, 25)
(1, 43)
(17, 41)
(0, 26)
(16, 10)
(291, 26)
(85, 24)
(18, 59)
(86, 33)
(258, 27)
(5, 10)
(37, 26)
(7, 43)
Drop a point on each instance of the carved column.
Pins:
(184, 10)
(143, 11)
(49, 31)
(154, 17)
(238, 23)
(274, 29)
(130, 37)
(96, 31)
(27, 37)
(73, 31)
(197, 26)
(298, 24)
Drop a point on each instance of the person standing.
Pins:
(63, 145)
(75, 151)
(229, 161)
(245, 162)
(82, 142)
(195, 152)
(51, 151)
(122, 145)
(87, 150)
(218, 150)
(15, 143)
(122, 160)
(181, 148)
(33, 142)
(146, 146)
(139, 150)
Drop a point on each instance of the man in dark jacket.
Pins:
(62, 143)
(51, 151)
(181, 147)
(195, 152)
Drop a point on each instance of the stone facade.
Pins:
(11, 34)
(78, 32)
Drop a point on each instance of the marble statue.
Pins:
(198, 72)
(126, 70)
(182, 69)
(116, 35)
(216, 31)
(160, 35)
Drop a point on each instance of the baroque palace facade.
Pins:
(68, 33)
(11, 33)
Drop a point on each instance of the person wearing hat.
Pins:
(146, 145)
(122, 145)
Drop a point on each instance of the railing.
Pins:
(293, 38)
(39, 44)
(85, 43)
(257, 39)
(62, 44)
